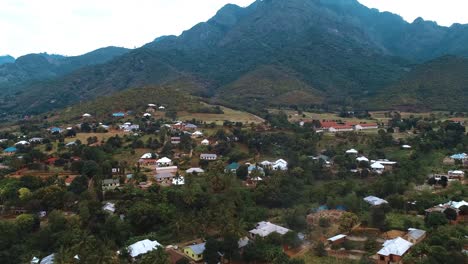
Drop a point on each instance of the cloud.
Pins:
(77, 27)
(444, 12)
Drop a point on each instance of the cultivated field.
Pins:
(229, 114)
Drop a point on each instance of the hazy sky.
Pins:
(76, 27)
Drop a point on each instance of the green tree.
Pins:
(436, 219)
(347, 221)
(158, 256)
(319, 249)
(212, 248)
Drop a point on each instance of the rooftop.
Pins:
(397, 247)
(142, 247)
(264, 229)
(198, 248)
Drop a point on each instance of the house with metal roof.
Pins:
(393, 250)
(195, 252)
(375, 201)
(415, 235)
(142, 247)
(264, 229)
(208, 156)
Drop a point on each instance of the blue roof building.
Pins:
(56, 130)
(253, 168)
(460, 156)
(10, 150)
(118, 114)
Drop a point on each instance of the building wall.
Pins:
(189, 253)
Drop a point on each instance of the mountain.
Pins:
(37, 67)
(434, 85)
(273, 52)
(6, 59)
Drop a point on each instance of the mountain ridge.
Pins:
(332, 52)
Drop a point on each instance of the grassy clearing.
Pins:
(100, 136)
(295, 117)
(229, 114)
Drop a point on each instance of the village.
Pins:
(145, 151)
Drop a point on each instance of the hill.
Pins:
(326, 52)
(6, 59)
(38, 67)
(439, 84)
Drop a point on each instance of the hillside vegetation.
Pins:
(437, 85)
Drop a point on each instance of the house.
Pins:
(36, 140)
(35, 260)
(340, 128)
(264, 229)
(110, 184)
(195, 252)
(208, 156)
(69, 180)
(178, 181)
(22, 143)
(142, 247)
(352, 152)
(71, 144)
(10, 150)
(375, 201)
(146, 115)
(195, 171)
(377, 167)
(415, 236)
(456, 175)
(128, 127)
(109, 207)
(393, 250)
(232, 167)
(164, 162)
(162, 108)
(164, 175)
(280, 164)
(325, 159)
(118, 114)
(86, 115)
(205, 142)
(151, 105)
(460, 156)
(265, 164)
(442, 207)
(459, 121)
(197, 134)
(48, 260)
(254, 168)
(406, 147)
(55, 130)
(334, 126)
(362, 159)
(336, 240)
(191, 127)
(175, 140)
(366, 126)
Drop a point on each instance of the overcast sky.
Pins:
(76, 27)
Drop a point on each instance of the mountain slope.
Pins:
(299, 36)
(6, 59)
(329, 52)
(36, 67)
(440, 84)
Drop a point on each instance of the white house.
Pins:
(264, 229)
(208, 156)
(148, 156)
(205, 142)
(22, 142)
(377, 167)
(146, 115)
(178, 181)
(142, 247)
(393, 250)
(195, 170)
(352, 151)
(280, 164)
(362, 159)
(375, 201)
(86, 115)
(406, 147)
(197, 134)
(365, 126)
(109, 207)
(164, 162)
(162, 107)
